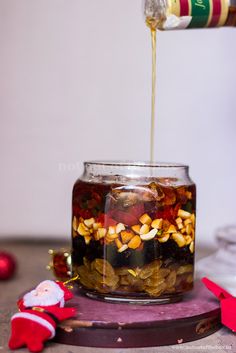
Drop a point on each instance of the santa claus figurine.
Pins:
(39, 313)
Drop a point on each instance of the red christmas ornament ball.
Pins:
(7, 265)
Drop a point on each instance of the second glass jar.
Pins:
(133, 231)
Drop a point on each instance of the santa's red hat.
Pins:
(67, 293)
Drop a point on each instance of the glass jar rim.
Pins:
(132, 163)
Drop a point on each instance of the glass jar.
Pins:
(133, 231)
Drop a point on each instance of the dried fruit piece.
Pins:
(184, 269)
(118, 243)
(145, 219)
(149, 236)
(149, 269)
(171, 279)
(156, 290)
(189, 279)
(126, 236)
(132, 272)
(103, 267)
(146, 272)
(111, 281)
(136, 228)
(86, 263)
(135, 242)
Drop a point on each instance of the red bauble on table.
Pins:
(7, 265)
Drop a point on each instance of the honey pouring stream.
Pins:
(153, 106)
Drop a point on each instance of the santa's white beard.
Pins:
(48, 298)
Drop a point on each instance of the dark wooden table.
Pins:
(32, 259)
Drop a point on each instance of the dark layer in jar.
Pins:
(134, 239)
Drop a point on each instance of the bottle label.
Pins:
(196, 14)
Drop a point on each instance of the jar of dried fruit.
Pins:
(133, 231)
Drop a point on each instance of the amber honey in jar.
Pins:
(133, 231)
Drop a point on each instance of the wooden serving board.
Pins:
(101, 324)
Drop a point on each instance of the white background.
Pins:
(75, 85)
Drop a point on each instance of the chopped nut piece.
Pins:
(97, 225)
(112, 236)
(136, 228)
(126, 236)
(123, 248)
(164, 239)
(101, 232)
(75, 223)
(184, 214)
(180, 226)
(188, 239)
(144, 229)
(118, 243)
(120, 227)
(83, 230)
(74, 233)
(108, 240)
(96, 236)
(171, 229)
(179, 239)
(111, 230)
(189, 229)
(89, 222)
(134, 242)
(149, 235)
(157, 223)
(187, 221)
(191, 247)
(145, 219)
(193, 219)
(87, 239)
(179, 220)
(183, 230)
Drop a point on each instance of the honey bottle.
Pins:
(183, 14)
